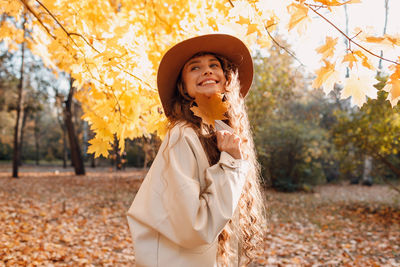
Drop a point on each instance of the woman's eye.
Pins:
(214, 65)
(194, 68)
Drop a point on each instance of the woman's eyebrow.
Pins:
(193, 62)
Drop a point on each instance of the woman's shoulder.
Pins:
(182, 130)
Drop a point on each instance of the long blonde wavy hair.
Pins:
(248, 229)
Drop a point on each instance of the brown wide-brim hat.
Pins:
(221, 44)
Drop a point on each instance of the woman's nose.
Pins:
(207, 71)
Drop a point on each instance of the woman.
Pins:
(200, 203)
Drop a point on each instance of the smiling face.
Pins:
(203, 75)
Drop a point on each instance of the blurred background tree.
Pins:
(373, 130)
(290, 124)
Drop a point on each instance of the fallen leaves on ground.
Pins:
(67, 220)
(336, 226)
(59, 219)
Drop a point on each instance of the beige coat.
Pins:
(175, 218)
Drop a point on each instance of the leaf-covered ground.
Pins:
(56, 218)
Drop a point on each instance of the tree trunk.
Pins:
(64, 133)
(93, 161)
(17, 128)
(65, 148)
(92, 158)
(36, 134)
(366, 177)
(147, 151)
(346, 41)
(21, 139)
(76, 155)
(384, 32)
(392, 167)
(118, 163)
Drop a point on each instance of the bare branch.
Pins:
(282, 47)
(350, 39)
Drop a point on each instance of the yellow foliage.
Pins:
(112, 48)
(11, 8)
(11, 35)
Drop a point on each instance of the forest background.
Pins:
(77, 96)
(303, 136)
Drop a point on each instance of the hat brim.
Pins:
(222, 44)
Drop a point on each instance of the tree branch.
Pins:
(347, 37)
(391, 167)
(282, 47)
(37, 17)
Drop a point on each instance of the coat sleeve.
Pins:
(193, 217)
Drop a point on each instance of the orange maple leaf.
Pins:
(210, 108)
(99, 147)
(365, 61)
(395, 92)
(386, 39)
(326, 78)
(299, 15)
(337, 3)
(393, 85)
(350, 58)
(329, 2)
(251, 27)
(328, 49)
(243, 21)
(359, 88)
(396, 71)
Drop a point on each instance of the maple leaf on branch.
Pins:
(386, 41)
(358, 87)
(393, 85)
(210, 108)
(326, 78)
(299, 17)
(328, 49)
(351, 59)
(365, 61)
(99, 147)
(330, 3)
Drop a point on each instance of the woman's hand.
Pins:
(229, 143)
